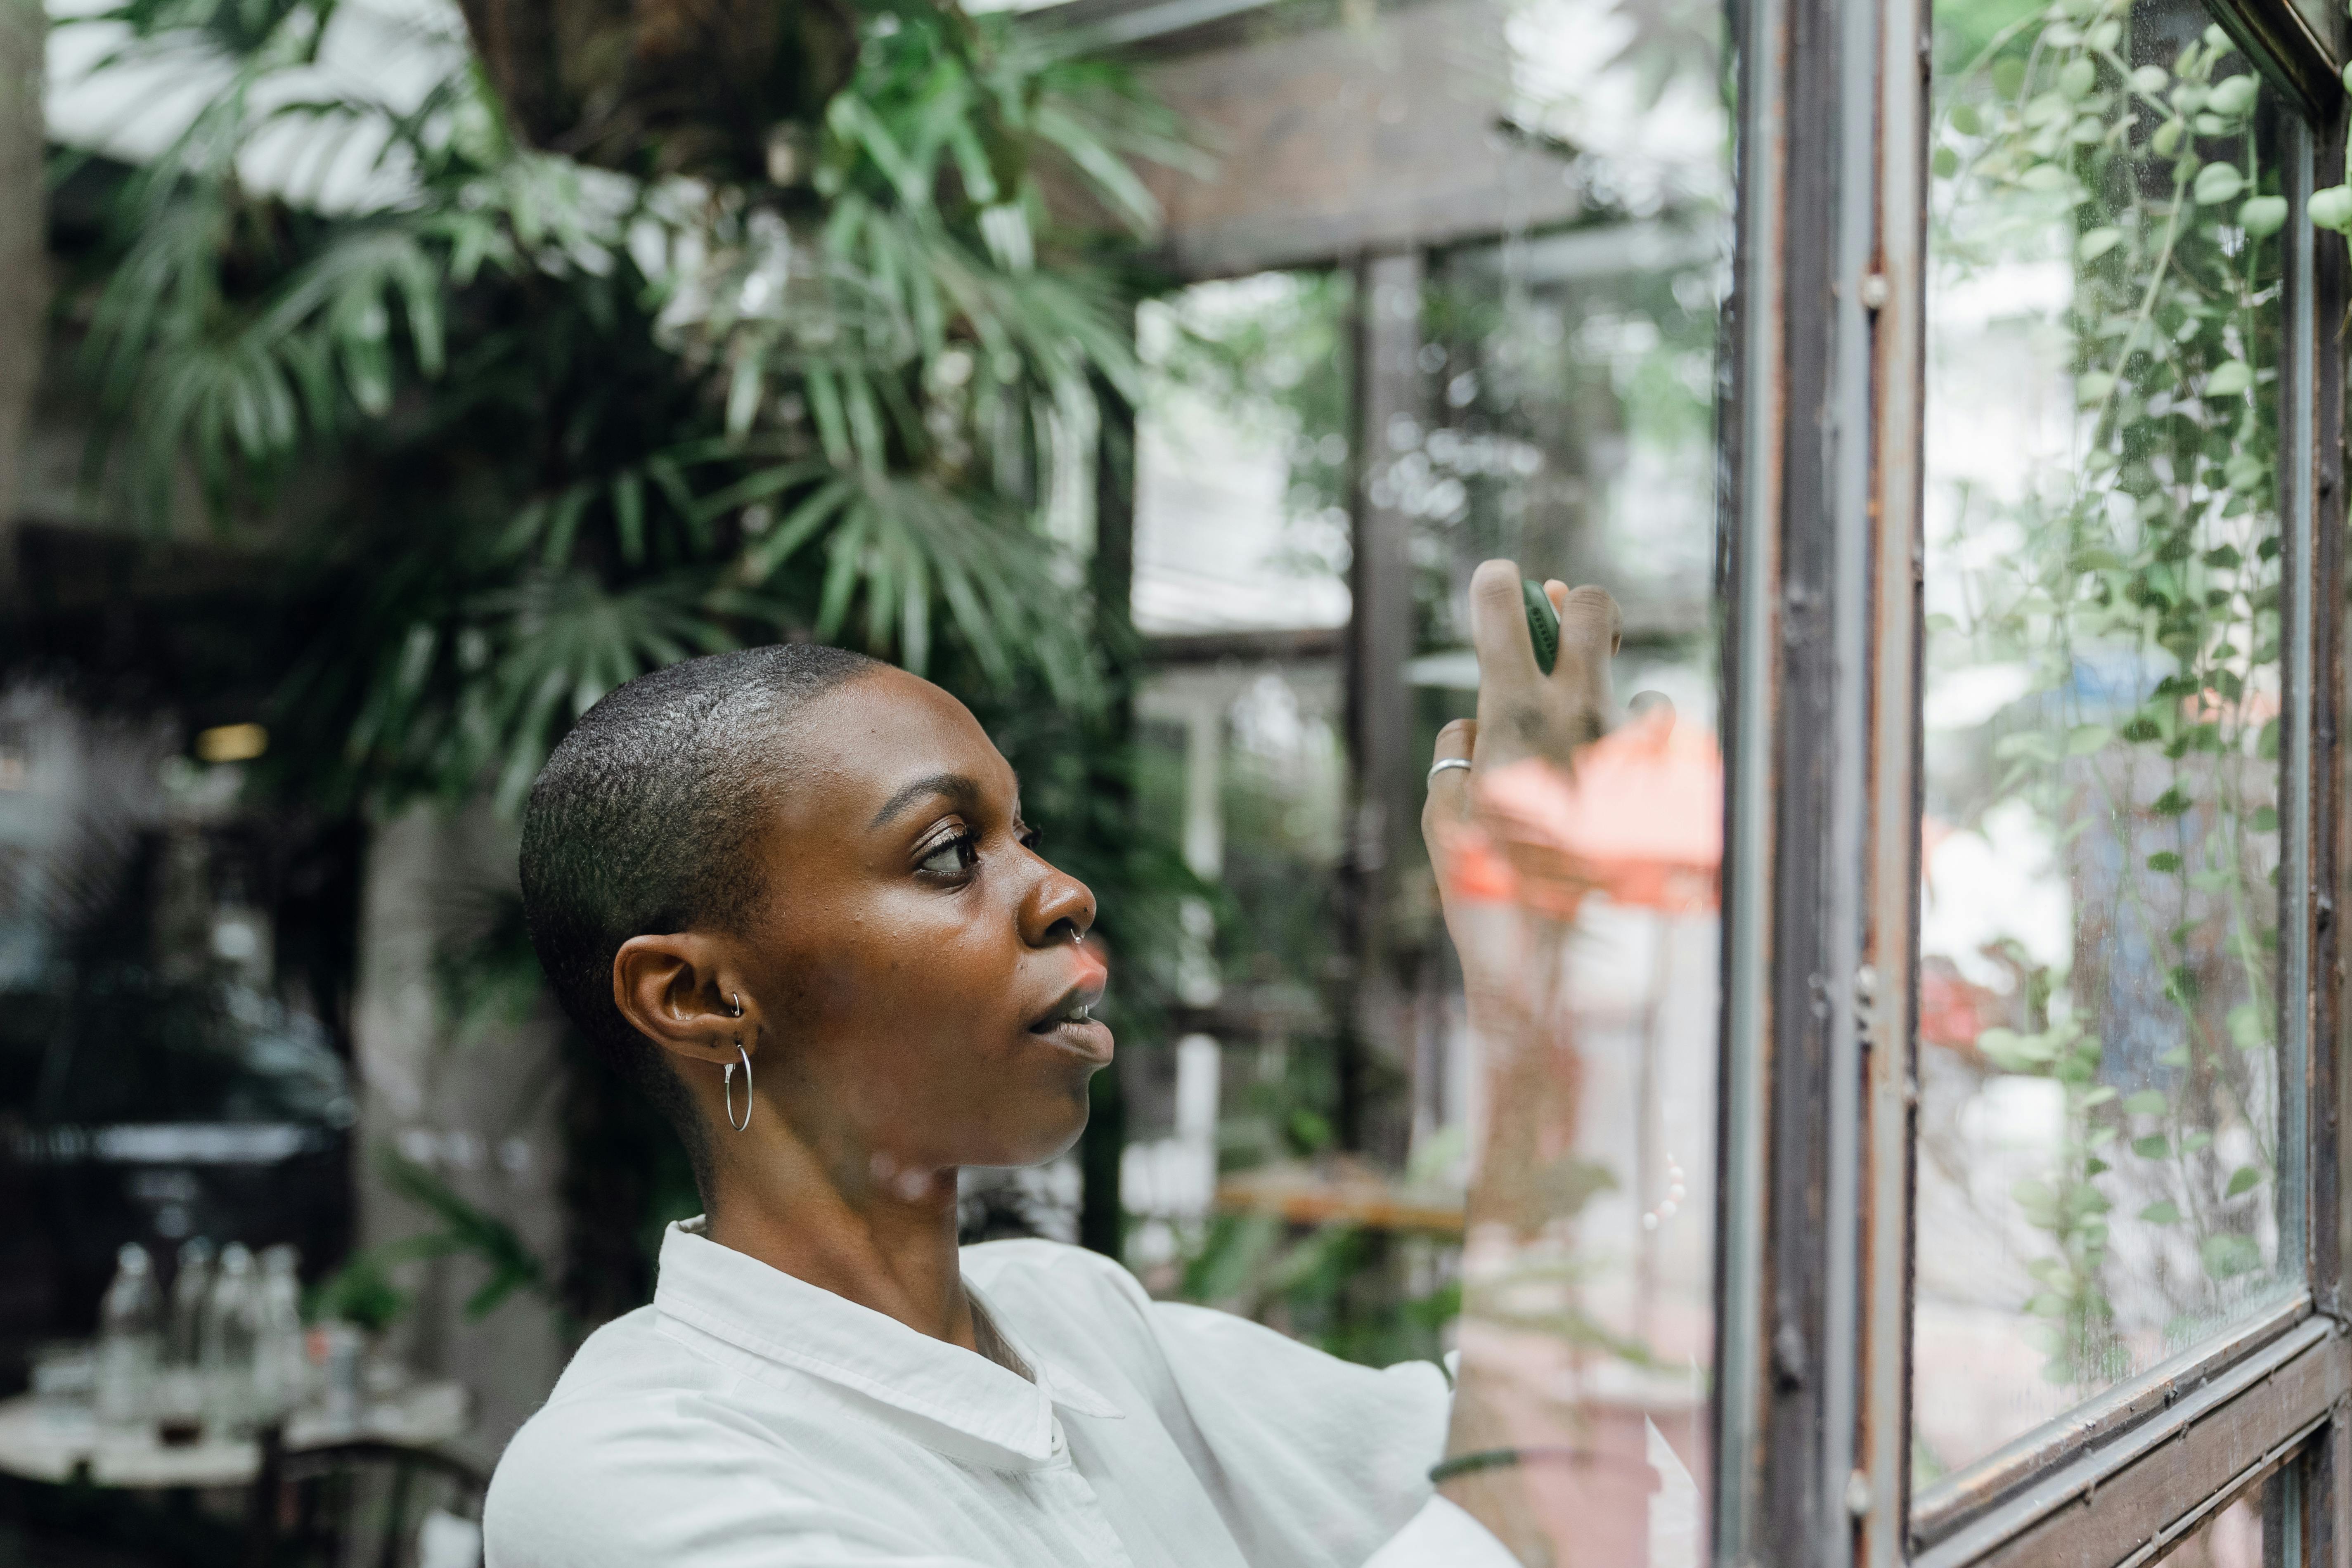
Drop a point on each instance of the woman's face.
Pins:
(919, 965)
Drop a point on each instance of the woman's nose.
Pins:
(1059, 908)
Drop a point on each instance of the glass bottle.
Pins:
(231, 1333)
(279, 1360)
(180, 1391)
(183, 1343)
(130, 1333)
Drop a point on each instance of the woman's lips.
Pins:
(1067, 1023)
(1090, 1038)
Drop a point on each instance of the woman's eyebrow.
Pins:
(961, 788)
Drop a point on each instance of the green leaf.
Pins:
(2331, 208)
(2232, 96)
(2250, 1027)
(2217, 182)
(2147, 1102)
(2164, 860)
(2263, 216)
(2153, 1147)
(2227, 1256)
(1944, 162)
(465, 1230)
(2013, 1052)
(2097, 243)
(2171, 803)
(563, 526)
(2166, 1212)
(2229, 378)
(629, 516)
(2244, 1179)
(1112, 175)
(2085, 738)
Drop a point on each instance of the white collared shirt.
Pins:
(748, 1419)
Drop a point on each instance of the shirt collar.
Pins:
(775, 1318)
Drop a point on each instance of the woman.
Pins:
(791, 893)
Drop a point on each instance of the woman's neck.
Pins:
(851, 1221)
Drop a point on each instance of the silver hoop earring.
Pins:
(730, 1090)
(738, 997)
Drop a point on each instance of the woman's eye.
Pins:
(952, 858)
(1031, 839)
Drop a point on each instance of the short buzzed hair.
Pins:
(647, 820)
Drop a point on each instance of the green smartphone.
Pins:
(1543, 623)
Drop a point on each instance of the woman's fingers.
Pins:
(1522, 712)
(1449, 787)
(1591, 630)
(1498, 626)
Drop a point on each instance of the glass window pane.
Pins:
(1572, 434)
(1520, 363)
(2240, 1535)
(2099, 1138)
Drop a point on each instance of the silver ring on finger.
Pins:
(1445, 763)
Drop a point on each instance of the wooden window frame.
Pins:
(1822, 572)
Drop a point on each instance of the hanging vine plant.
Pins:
(2144, 599)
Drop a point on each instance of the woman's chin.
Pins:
(1055, 1130)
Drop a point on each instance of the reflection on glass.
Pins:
(1242, 455)
(1462, 261)
(1570, 429)
(1574, 416)
(1567, 381)
(2098, 1057)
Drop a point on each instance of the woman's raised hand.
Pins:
(1522, 711)
(1507, 882)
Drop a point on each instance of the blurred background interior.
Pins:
(1151, 373)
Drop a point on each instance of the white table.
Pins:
(45, 1440)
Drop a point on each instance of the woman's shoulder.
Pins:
(633, 1431)
(628, 1377)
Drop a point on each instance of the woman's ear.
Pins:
(676, 991)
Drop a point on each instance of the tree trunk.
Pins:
(24, 256)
